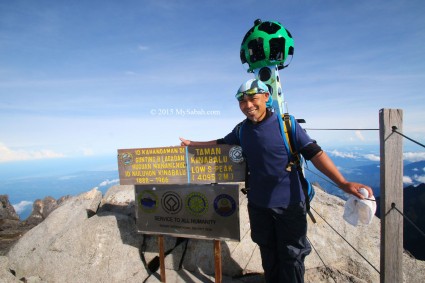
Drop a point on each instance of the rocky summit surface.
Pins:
(12, 228)
(93, 238)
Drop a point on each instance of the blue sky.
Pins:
(85, 78)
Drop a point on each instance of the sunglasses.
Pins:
(250, 93)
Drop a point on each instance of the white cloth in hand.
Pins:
(360, 211)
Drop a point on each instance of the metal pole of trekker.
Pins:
(391, 150)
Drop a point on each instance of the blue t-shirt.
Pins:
(263, 146)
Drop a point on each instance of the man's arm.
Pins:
(325, 165)
(185, 142)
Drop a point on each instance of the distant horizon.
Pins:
(411, 151)
(24, 180)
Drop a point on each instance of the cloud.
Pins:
(414, 156)
(20, 207)
(342, 154)
(359, 135)
(351, 171)
(7, 154)
(65, 178)
(407, 180)
(372, 157)
(420, 179)
(408, 156)
(107, 182)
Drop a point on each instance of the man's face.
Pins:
(254, 107)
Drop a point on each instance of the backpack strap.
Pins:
(295, 160)
(290, 132)
(239, 128)
(289, 138)
(285, 135)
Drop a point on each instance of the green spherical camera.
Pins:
(266, 44)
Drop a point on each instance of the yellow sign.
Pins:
(181, 165)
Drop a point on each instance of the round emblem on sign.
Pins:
(171, 202)
(235, 154)
(196, 203)
(127, 158)
(148, 201)
(224, 205)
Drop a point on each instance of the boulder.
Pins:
(11, 228)
(79, 243)
(5, 275)
(6, 209)
(42, 208)
(71, 246)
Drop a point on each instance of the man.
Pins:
(276, 202)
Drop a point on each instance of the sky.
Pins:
(85, 78)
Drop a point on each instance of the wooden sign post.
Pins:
(161, 257)
(179, 189)
(217, 261)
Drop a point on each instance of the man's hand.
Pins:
(184, 142)
(353, 188)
